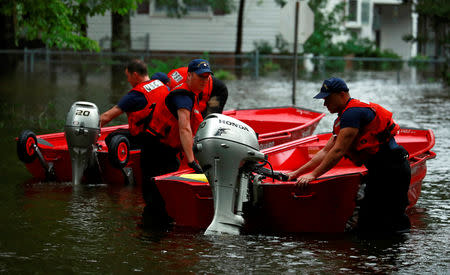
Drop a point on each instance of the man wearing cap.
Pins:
(175, 120)
(213, 97)
(182, 103)
(364, 133)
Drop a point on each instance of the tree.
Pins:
(120, 20)
(325, 26)
(239, 32)
(437, 14)
(434, 14)
(54, 23)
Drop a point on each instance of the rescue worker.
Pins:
(213, 97)
(162, 77)
(364, 133)
(137, 104)
(175, 120)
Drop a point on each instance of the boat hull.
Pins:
(274, 126)
(324, 206)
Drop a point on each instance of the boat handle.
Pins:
(282, 136)
(203, 198)
(277, 135)
(419, 158)
(295, 196)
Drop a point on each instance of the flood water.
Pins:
(49, 227)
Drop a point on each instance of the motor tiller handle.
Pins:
(272, 174)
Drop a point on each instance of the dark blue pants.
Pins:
(386, 194)
(156, 159)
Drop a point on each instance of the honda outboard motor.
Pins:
(225, 147)
(82, 130)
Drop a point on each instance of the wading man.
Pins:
(364, 132)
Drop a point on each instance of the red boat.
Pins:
(47, 156)
(325, 205)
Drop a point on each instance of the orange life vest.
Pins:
(165, 124)
(155, 92)
(380, 130)
(178, 76)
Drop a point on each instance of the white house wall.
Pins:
(261, 22)
(212, 34)
(395, 23)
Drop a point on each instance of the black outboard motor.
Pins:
(82, 130)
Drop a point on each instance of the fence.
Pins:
(250, 64)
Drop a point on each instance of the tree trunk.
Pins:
(120, 43)
(82, 74)
(239, 32)
(7, 36)
(121, 37)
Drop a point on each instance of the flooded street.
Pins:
(50, 227)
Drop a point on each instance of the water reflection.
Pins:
(57, 227)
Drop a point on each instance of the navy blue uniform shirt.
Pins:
(176, 102)
(132, 102)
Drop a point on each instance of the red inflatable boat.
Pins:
(47, 156)
(324, 206)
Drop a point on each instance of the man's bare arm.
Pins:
(184, 124)
(109, 115)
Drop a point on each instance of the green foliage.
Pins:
(419, 61)
(265, 64)
(439, 10)
(396, 64)
(57, 23)
(269, 66)
(224, 75)
(281, 44)
(165, 66)
(281, 3)
(325, 26)
(263, 47)
(358, 47)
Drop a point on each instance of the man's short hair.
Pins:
(138, 66)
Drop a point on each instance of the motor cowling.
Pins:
(81, 130)
(224, 146)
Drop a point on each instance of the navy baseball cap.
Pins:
(160, 76)
(332, 85)
(199, 66)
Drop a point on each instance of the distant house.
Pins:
(202, 29)
(385, 22)
(382, 21)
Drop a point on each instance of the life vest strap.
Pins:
(386, 134)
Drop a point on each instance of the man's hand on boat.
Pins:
(302, 181)
(194, 165)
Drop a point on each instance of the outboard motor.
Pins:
(226, 149)
(82, 130)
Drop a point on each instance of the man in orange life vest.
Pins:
(137, 104)
(364, 132)
(162, 123)
(213, 97)
(175, 121)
